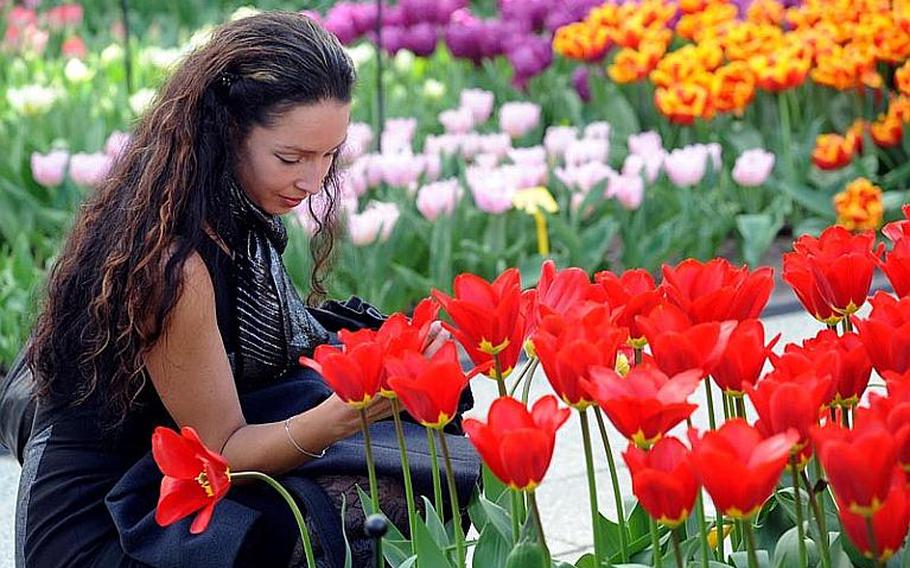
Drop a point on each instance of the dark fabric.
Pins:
(17, 407)
(273, 326)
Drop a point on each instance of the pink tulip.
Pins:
(492, 190)
(73, 46)
(598, 131)
(89, 169)
(457, 121)
(375, 224)
(686, 166)
(646, 143)
(518, 118)
(526, 176)
(360, 136)
(753, 167)
(438, 198)
(487, 161)
(557, 139)
(533, 156)
(354, 178)
(587, 150)
(116, 144)
(49, 169)
(63, 16)
(628, 190)
(585, 177)
(401, 169)
(432, 167)
(498, 144)
(445, 144)
(398, 134)
(479, 102)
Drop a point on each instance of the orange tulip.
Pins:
(832, 152)
(779, 72)
(887, 131)
(766, 12)
(691, 25)
(733, 88)
(902, 78)
(631, 66)
(859, 207)
(684, 102)
(582, 41)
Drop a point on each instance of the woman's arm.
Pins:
(190, 371)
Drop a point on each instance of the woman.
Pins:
(170, 305)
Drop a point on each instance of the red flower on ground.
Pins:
(677, 345)
(631, 294)
(886, 333)
(744, 357)
(859, 463)
(355, 372)
(739, 467)
(645, 404)
(663, 480)
(517, 445)
(889, 523)
(716, 290)
(570, 346)
(195, 478)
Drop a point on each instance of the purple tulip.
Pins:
(393, 39)
(340, 21)
(446, 8)
(580, 82)
(421, 39)
(393, 15)
(364, 17)
(418, 11)
(529, 56)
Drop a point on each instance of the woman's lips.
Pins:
(291, 201)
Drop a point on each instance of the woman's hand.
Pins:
(436, 338)
(345, 420)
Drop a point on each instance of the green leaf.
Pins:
(492, 487)
(786, 553)
(586, 561)
(499, 517)
(348, 560)
(758, 232)
(491, 548)
(428, 551)
(525, 555)
(816, 201)
(741, 559)
(434, 523)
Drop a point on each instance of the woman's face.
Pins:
(281, 165)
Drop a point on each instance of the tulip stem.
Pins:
(592, 489)
(741, 407)
(526, 391)
(819, 515)
(453, 497)
(712, 421)
(371, 471)
(797, 499)
(750, 543)
(786, 144)
(617, 492)
(406, 471)
(500, 380)
(677, 550)
(295, 510)
(434, 462)
(656, 555)
(718, 518)
(535, 512)
(516, 514)
(702, 529)
(845, 415)
(873, 545)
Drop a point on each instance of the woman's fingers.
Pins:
(436, 338)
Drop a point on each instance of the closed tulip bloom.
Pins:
(438, 199)
(629, 191)
(739, 467)
(518, 118)
(686, 166)
(517, 445)
(195, 478)
(429, 389)
(557, 140)
(744, 358)
(859, 463)
(479, 102)
(677, 344)
(644, 404)
(889, 523)
(886, 333)
(646, 144)
(716, 290)
(457, 121)
(571, 345)
(630, 294)
(851, 367)
(663, 480)
(558, 291)
(355, 372)
(894, 411)
(492, 189)
(89, 170)
(49, 169)
(897, 267)
(753, 167)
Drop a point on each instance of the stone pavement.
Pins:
(563, 496)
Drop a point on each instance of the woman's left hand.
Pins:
(436, 338)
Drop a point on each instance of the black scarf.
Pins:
(274, 327)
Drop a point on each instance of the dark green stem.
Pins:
(500, 380)
(873, 545)
(617, 493)
(638, 356)
(798, 501)
(434, 462)
(371, 466)
(535, 512)
(702, 530)
(818, 510)
(719, 517)
(656, 556)
(521, 377)
(677, 550)
(526, 391)
(453, 497)
(406, 470)
(741, 407)
(516, 514)
(592, 489)
(295, 510)
(750, 543)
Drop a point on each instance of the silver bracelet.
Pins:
(287, 430)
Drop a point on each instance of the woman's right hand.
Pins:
(346, 420)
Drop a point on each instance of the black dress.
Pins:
(87, 494)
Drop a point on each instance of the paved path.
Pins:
(562, 496)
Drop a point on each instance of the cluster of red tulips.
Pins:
(628, 348)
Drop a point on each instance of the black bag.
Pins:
(17, 407)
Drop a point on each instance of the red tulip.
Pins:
(738, 467)
(398, 333)
(631, 294)
(677, 345)
(889, 523)
(886, 333)
(488, 318)
(897, 266)
(850, 368)
(894, 412)
(517, 445)
(716, 290)
(570, 345)
(744, 358)
(858, 463)
(430, 388)
(558, 291)
(355, 372)
(897, 230)
(645, 404)
(195, 478)
(838, 267)
(785, 404)
(663, 480)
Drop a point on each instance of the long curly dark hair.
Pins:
(119, 273)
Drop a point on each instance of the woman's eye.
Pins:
(286, 160)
